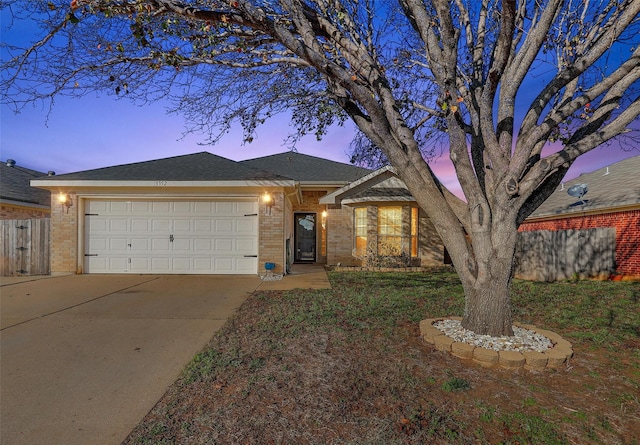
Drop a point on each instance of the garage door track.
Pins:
(85, 357)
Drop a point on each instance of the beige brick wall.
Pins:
(340, 237)
(430, 246)
(64, 236)
(271, 238)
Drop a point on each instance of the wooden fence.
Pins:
(25, 247)
(545, 255)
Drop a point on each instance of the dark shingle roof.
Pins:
(386, 193)
(14, 185)
(201, 166)
(305, 168)
(617, 185)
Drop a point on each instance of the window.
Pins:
(397, 231)
(390, 231)
(361, 231)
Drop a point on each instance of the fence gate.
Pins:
(25, 247)
(545, 255)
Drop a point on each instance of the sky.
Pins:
(101, 130)
(95, 132)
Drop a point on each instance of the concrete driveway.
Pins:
(85, 357)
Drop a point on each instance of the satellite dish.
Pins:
(578, 191)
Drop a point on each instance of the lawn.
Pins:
(347, 366)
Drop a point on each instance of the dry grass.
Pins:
(347, 366)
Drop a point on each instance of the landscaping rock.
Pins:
(462, 350)
(485, 357)
(442, 343)
(428, 331)
(556, 358)
(536, 361)
(511, 359)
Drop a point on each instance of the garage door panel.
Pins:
(119, 225)
(202, 226)
(202, 245)
(181, 265)
(224, 208)
(203, 265)
(182, 225)
(223, 245)
(224, 265)
(223, 225)
(182, 245)
(140, 245)
(201, 237)
(182, 208)
(140, 225)
(161, 226)
(160, 207)
(245, 245)
(246, 226)
(160, 245)
(246, 265)
(97, 225)
(203, 208)
(247, 207)
(119, 244)
(114, 264)
(160, 264)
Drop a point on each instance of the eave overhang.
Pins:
(79, 184)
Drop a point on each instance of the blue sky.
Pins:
(101, 130)
(95, 132)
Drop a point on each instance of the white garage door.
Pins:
(171, 237)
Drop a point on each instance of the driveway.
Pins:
(85, 357)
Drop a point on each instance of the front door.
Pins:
(305, 237)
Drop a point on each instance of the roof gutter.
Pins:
(578, 214)
(57, 183)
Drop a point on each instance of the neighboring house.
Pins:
(612, 201)
(204, 214)
(18, 200)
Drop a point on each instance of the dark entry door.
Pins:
(305, 237)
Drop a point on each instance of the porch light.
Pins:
(267, 199)
(65, 201)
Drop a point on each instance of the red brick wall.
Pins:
(627, 225)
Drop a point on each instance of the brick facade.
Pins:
(430, 246)
(64, 237)
(271, 241)
(627, 225)
(10, 211)
(340, 240)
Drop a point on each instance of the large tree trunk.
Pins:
(488, 301)
(487, 288)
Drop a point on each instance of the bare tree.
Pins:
(496, 81)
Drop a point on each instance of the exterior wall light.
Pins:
(267, 199)
(66, 201)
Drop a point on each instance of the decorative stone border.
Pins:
(554, 358)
